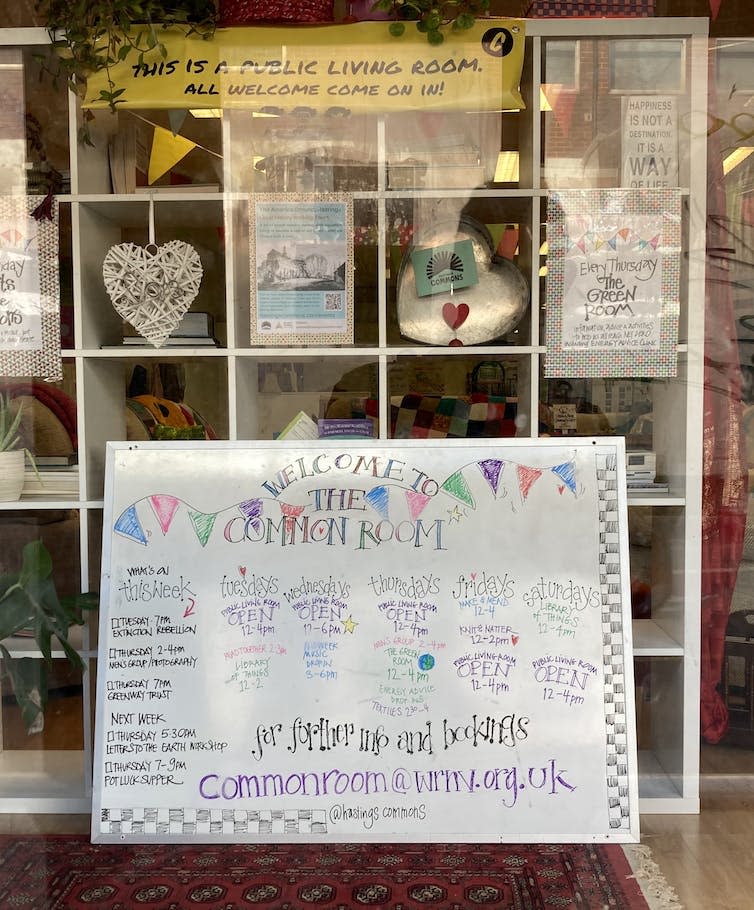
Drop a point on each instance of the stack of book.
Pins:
(56, 475)
(641, 487)
(301, 427)
(196, 329)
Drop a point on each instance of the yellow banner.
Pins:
(359, 67)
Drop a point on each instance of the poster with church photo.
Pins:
(301, 255)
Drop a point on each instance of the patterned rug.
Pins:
(68, 873)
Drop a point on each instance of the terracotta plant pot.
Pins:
(11, 475)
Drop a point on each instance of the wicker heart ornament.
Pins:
(152, 287)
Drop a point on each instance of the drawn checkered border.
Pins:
(616, 717)
(217, 822)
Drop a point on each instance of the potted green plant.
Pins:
(89, 36)
(29, 604)
(13, 454)
(432, 17)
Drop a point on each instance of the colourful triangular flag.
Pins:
(567, 473)
(176, 118)
(416, 503)
(291, 513)
(203, 523)
(491, 469)
(167, 150)
(456, 486)
(252, 510)
(527, 477)
(562, 104)
(128, 525)
(164, 507)
(379, 499)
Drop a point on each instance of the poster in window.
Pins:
(29, 291)
(649, 147)
(613, 275)
(301, 269)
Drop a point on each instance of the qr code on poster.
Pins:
(333, 302)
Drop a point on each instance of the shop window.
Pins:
(662, 65)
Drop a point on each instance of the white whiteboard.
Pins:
(365, 641)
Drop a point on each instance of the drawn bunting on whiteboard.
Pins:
(262, 521)
(385, 641)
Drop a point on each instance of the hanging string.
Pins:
(154, 126)
(151, 221)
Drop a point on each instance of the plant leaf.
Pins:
(9, 425)
(28, 678)
(36, 564)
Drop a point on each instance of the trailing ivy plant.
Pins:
(432, 16)
(89, 36)
(29, 604)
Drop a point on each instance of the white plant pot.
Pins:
(11, 475)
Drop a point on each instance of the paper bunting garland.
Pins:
(167, 150)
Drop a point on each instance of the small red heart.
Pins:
(455, 316)
(560, 490)
(514, 639)
(242, 570)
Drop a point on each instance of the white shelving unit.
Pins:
(226, 383)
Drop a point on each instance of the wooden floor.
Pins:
(708, 859)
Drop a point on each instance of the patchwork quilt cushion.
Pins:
(416, 416)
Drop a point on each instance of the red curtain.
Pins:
(724, 484)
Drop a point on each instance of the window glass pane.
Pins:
(661, 69)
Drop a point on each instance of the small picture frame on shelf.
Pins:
(301, 260)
